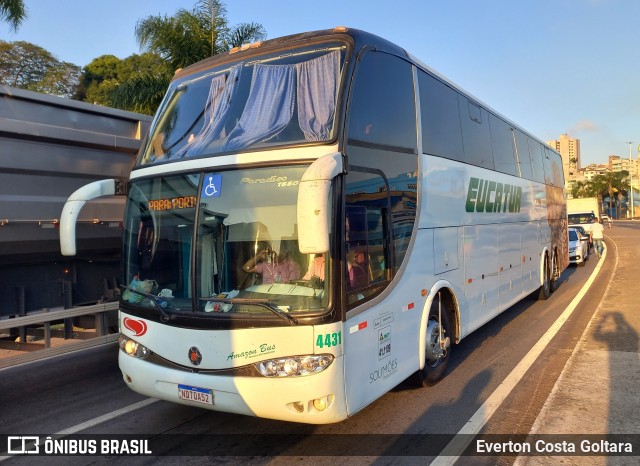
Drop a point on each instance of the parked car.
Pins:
(578, 247)
(583, 232)
(583, 219)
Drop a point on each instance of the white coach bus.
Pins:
(314, 219)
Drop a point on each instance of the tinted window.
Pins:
(537, 160)
(553, 168)
(440, 114)
(382, 104)
(476, 135)
(368, 261)
(381, 187)
(502, 144)
(523, 159)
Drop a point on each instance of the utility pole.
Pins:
(631, 179)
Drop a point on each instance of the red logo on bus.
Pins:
(195, 357)
(138, 327)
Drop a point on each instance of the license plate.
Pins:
(196, 394)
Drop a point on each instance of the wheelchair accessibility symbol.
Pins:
(211, 185)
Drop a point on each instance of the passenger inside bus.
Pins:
(356, 236)
(274, 267)
(316, 268)
(356, 269)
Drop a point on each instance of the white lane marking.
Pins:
(456, 447)
(107, 417)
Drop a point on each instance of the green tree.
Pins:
(104, 74)
(14, 12)
(608, 186)
(579, 189)
(31, 67)
(60, 80)
(98, 80)
(191, 36)
(141, 94)
(181, 40)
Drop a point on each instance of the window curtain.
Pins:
(221, 94)
(317, 93)
(269, 107)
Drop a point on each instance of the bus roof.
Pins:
(359, 40)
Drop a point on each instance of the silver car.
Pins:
(578, 247)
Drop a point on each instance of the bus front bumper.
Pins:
(312, 399)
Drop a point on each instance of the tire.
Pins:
(436, 358)
(545, 288)
(585, 258)
(554, 273)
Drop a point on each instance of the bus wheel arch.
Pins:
(439, 330)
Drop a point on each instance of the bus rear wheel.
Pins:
(546, 287)
(555, 273)
(438, 346)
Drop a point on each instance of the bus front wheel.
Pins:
(438, 346)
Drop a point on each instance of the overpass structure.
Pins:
(49, 147)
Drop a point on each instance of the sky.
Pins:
(550, 66)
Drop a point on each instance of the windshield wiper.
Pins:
(154, 299)
(267, 304)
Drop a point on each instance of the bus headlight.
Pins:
(295, 366)
(133, 348)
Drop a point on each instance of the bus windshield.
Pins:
(272, 100)
(221, 242)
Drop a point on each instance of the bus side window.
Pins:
(476, 136)
(502, 142)
(356, 244)
(367, 245)
(553, 168)
(537, 160)
(382, 105)
(523, 155)
(440, 115)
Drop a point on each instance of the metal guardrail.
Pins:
(45, 318)
(51, 352)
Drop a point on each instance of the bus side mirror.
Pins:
(72, 208)
(313, 203)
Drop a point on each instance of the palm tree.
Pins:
(579, 189)
(13, 11)
(609, 185)
(191, 36)
(181, 40)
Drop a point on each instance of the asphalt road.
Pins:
(51, 396)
